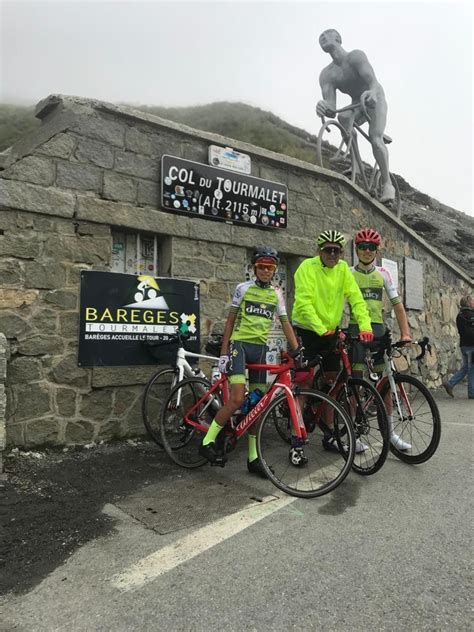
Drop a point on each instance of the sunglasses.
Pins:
(364, 246)
(270, 267)
(331, 250)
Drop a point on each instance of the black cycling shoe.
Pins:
(255, 467)
(212, 454)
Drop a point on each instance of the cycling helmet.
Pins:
(368, 235)
(331, 237)
(265, 253)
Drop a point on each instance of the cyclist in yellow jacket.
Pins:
(322, 285)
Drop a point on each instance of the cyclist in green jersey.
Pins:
(245, 342)
(322, 284)
(373, 280)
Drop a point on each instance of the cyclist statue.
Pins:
(352, 74)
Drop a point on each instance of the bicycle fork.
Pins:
(393, 388)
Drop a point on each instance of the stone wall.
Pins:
(93, 167)
(3, 398)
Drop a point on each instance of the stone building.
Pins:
(89, 178)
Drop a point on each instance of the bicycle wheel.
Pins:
(394, 205)
(416, 418)
(154, 396)
(365, 407)
(332, 151)
(180, 440)
(282, 421)
(324, 470)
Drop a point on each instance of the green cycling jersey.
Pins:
(255, 307)
(372, 283)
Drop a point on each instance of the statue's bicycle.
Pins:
(344, 155)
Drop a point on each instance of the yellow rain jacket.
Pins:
(320, 293)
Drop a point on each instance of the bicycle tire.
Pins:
(154, 396)
(282, 421)
(324, 470)
(342, 137)
(422, 429)
(180, 440)
(369, 419)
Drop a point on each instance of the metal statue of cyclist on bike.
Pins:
(352, 74)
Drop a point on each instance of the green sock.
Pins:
(212, 433)
(252, 448)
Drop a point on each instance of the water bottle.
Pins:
(250, 400)
(199, 373)
(215, 374)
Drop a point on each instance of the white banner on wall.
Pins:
(392, 267)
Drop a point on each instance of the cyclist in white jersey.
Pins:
(373, 280)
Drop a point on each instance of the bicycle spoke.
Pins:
(323, 470)
(419, 425)
(365, 406)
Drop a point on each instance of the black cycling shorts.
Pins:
(242, 353)
(322, 345)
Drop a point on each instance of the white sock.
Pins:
(390, 423)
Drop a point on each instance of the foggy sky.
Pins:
(262, 53)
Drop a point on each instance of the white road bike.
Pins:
(161, 383)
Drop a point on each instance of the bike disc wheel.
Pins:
(363, 404)
(180, 440)
(154, 396)
(324, 470)
(418, 421)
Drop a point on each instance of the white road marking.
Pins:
(171, 556)
(457, 423)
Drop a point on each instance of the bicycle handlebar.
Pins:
(351, 106)
(179, 337)
(290, 360)
(424, 344)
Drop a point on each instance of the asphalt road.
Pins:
(117, 538)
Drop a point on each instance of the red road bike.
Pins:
(192, 404)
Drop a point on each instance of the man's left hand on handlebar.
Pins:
(323, 109)
(366, 336)
(368, 98)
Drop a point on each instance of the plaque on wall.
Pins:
(228, 158)
(192, 188)
(413, 284)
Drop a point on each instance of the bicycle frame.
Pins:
(345, 372)
(349, 147)
(391, 371)
(183, 367)
(282, 383)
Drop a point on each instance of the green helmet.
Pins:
(331, 237)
